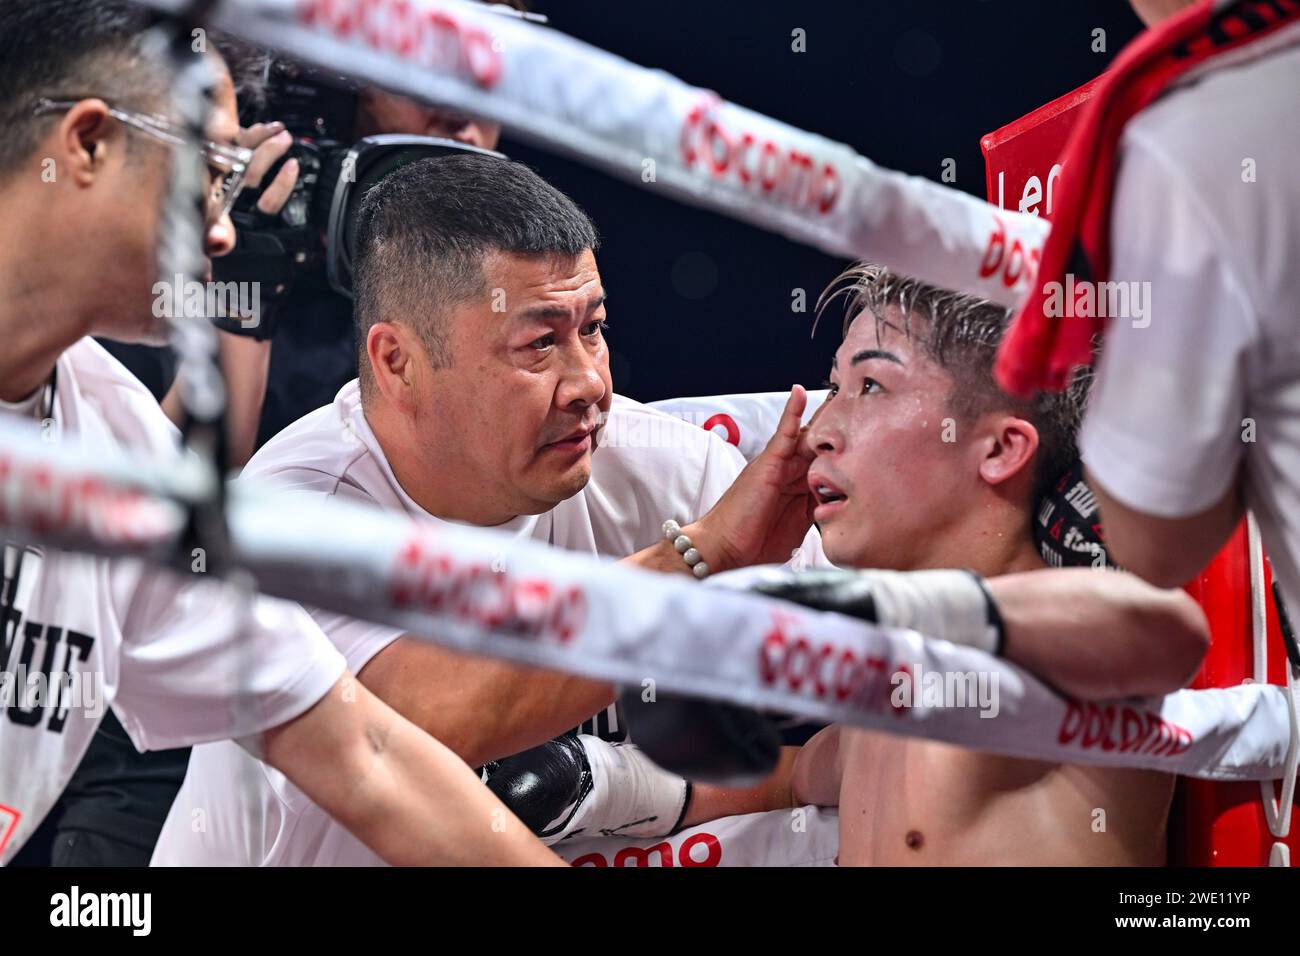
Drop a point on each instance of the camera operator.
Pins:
(302, 350)
(292, 121)
(312, 352)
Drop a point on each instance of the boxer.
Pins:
(922, 464)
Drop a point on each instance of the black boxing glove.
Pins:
(704, 740)
(581, 785)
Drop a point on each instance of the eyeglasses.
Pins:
(228, 164)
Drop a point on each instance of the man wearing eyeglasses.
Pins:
(83, 170)
(112, 808)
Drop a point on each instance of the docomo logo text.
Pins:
(435, 580)
(1121, 729)
(761, 166)
(1014, 263)
(432, 39)
(34, 497)
(710, 854)
(822, 671)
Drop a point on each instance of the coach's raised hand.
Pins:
(767, 511)
(763, 516)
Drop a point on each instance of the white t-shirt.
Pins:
(161, 649)
(1207, 210)
(653, 467)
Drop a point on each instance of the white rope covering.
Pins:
(1276, 813)
(490, 593)
(651, 128)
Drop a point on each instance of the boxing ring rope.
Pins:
(1277, 813)
(487, 592)
(655, 130)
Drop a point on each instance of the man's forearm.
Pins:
(664, 558)
(709, 802)
(420, 805)
(1168, 552)
(480, 708)
(245, 367)
(1099, 634)
(395, 788)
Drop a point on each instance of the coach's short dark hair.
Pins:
(960, 333)
(425, 229)
(67, 49)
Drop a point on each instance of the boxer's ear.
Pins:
(1009, 450)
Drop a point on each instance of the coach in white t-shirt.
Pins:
(1198, 412)
(175, 657)
(484, 392)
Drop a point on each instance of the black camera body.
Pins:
(309, 243)
(319, 112)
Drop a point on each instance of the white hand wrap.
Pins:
(945, 604)
(630, 795)
(949, 605)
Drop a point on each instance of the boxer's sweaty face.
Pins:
(528, 382)
(891, 474)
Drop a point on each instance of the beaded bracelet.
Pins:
(673, 532)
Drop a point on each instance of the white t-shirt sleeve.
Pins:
(357, 640)
(199, 665)
(1163, 433)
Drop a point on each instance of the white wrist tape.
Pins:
(630, 795)
(948, 605)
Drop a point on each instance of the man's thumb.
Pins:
(786, 436)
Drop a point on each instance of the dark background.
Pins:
(700, 304)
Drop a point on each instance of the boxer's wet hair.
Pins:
(423, 234)
(960, 333)
(70, 49)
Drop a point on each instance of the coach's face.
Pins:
(894, 472)
(527, 384)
